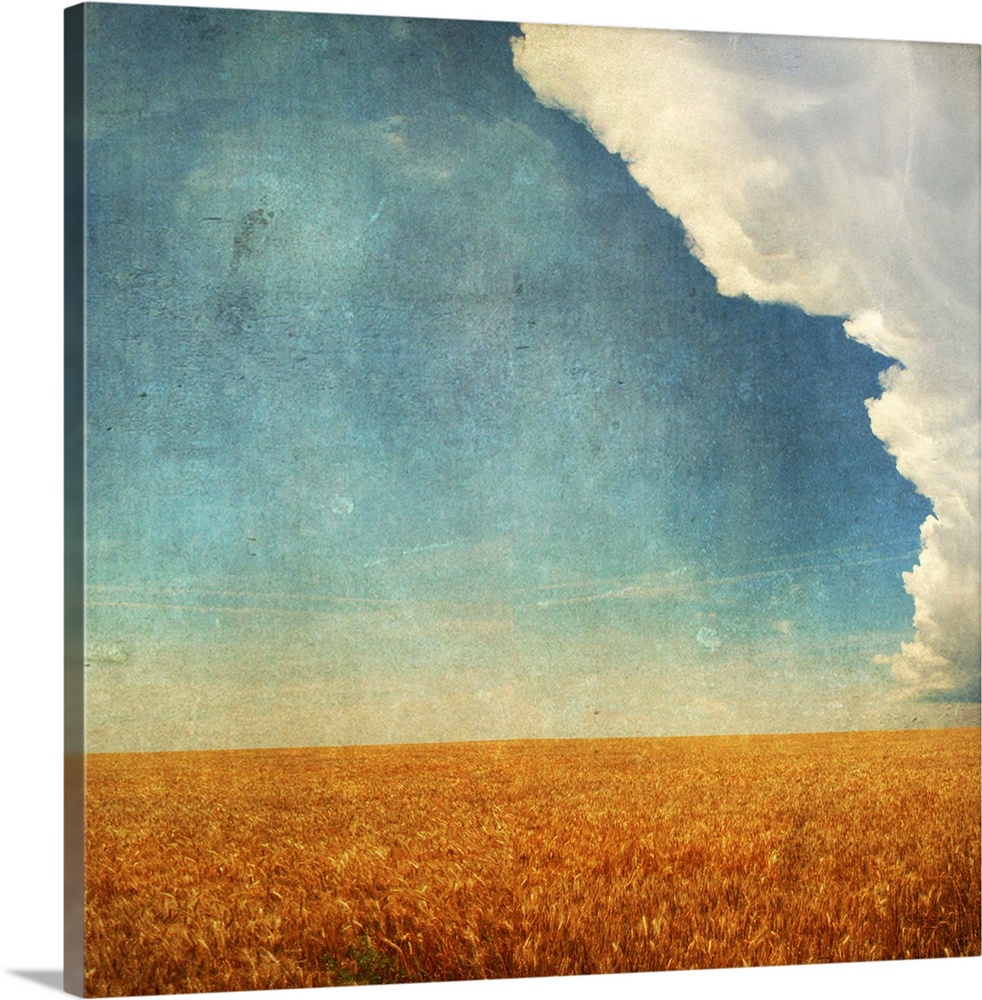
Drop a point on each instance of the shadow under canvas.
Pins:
(52, 978)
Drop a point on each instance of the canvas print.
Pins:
(523, 500)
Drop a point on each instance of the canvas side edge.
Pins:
(74, 498)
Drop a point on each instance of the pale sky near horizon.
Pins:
(412, 416)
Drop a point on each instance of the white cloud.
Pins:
(842, 177)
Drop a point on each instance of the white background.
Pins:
(30, 490)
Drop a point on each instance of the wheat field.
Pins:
(214, 871)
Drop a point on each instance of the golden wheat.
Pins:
(215, 871)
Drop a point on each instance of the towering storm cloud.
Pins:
(841, 177)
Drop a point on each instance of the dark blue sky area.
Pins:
(366, 320)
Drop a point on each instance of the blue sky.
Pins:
(413, 416)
